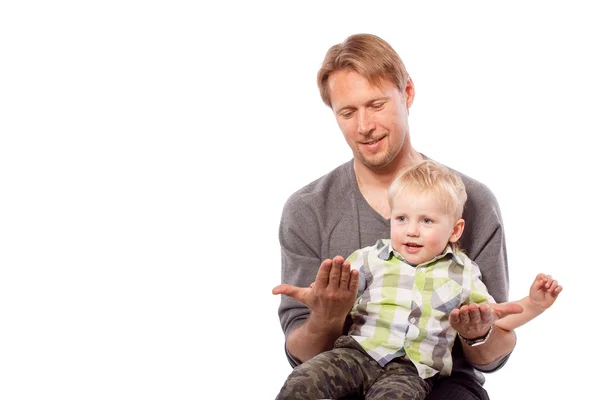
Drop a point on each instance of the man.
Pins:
(366, 85)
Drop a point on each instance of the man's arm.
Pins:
(329, 300)
(312, 338)
(474, 321)
(311, 318)
(485, 244)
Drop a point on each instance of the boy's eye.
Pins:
(427, 220)
(401, 218)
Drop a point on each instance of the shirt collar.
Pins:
(386, 252)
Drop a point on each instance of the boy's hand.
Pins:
(544, 291)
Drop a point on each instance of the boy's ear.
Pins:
(457, 231)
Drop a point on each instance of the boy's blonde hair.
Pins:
(432, 178)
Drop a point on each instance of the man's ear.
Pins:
(457, 231)
(409, 92)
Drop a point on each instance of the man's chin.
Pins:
(375, 162)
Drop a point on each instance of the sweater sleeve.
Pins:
(485, 244)
(484, 240)
(299, 239)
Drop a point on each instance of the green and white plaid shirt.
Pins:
(403, 309)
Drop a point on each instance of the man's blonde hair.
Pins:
(367, 55)
(432, 178)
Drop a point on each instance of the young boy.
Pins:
(401, 337)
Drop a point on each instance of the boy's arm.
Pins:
(542, 294)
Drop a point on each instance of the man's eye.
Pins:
(377, 106)
(347, 114)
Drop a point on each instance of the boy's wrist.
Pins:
(537, 306)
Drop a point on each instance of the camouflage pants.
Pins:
(348, 370)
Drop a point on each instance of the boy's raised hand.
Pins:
(544, 291)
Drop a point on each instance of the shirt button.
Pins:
(412, 320)
(407, 344)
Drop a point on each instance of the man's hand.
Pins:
(333, 293)
(474, 320)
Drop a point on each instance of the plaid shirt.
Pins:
(403, 309)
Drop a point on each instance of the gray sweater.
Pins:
(330, 217)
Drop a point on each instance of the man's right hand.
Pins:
(333, 293)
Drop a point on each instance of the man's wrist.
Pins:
(325, 326)
(477, 341)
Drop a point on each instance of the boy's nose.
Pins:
(413, 230)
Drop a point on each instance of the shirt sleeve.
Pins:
(479, 292)
(356, 260)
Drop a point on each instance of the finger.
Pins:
(335, 273)
(553, 286)
(464, 315)
(541, 276)
(322, 279)
(504, 309)
(354, 279)
(294, 292)
(311, 285)
(548, 281)
(557, 290)
(454, 317)
(474, 313)
(487, 314)
(345, 278)
(539, 281)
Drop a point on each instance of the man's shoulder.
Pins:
(476, 190)
(329, 187)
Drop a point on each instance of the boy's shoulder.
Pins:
(368, 255)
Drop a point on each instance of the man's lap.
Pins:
(459, 386)
(456, 387)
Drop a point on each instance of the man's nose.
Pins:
(366, 123)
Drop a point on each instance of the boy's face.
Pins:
(421, 228)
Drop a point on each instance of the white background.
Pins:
(147, 148)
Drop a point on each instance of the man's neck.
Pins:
(382, 178)
(374, 183)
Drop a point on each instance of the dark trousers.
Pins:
(458, 386)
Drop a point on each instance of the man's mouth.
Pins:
(371, 142)
(372, 145)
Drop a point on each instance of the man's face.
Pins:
(373, 119)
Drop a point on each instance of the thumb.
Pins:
(504, 309)
(294, 292)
